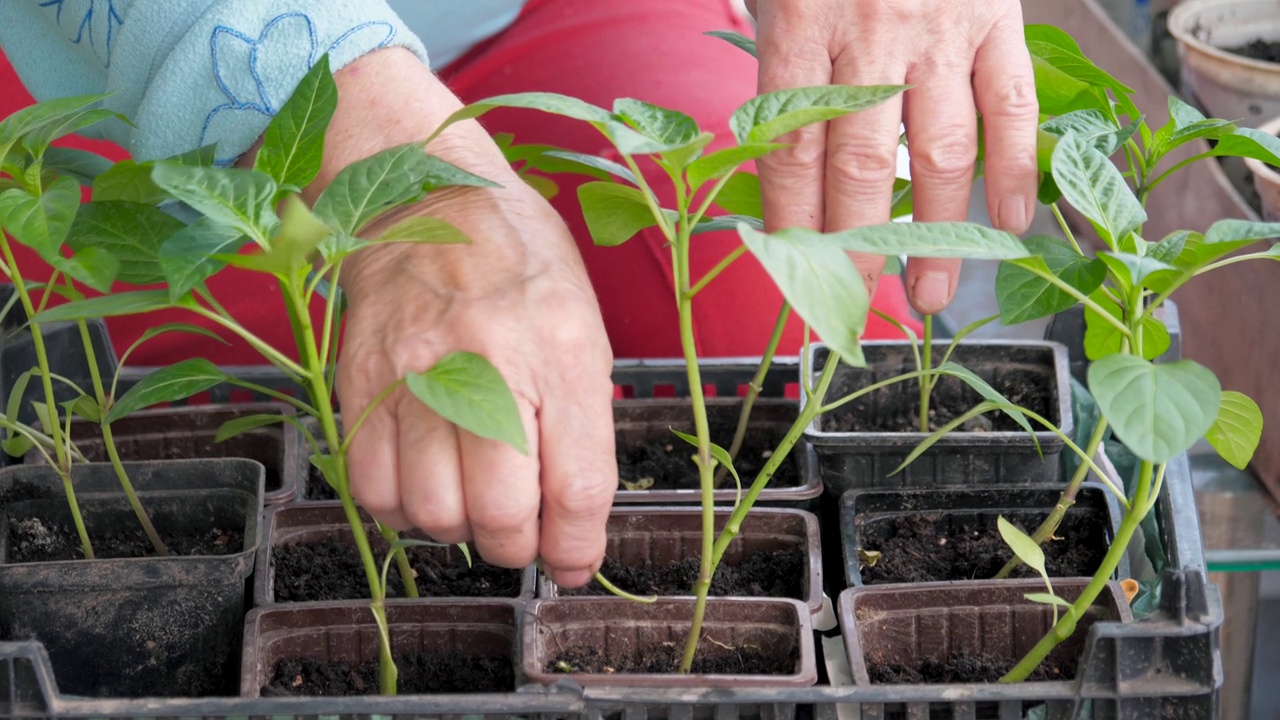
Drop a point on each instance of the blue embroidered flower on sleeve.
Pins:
(257, 74)
(91, 21)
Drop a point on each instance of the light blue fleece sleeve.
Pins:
(189, 73)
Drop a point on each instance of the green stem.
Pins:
(277, 358)
(353, 428)
(615, 590)
(1088, 302)
(719, 268)
(407, 576)
(753, 390)
(1146, 189)
(926, 364)
(1066, 229)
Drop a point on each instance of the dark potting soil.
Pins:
(422, 673)
(667, 461)
(331, 570)
(780, 573)
(712, 659)
(960, 668)
(317, 487)
(896, 408)
(932, 546)
(1265, 50)
(36, 540)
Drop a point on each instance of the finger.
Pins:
(431, 473)
(791, 179)
(942, 132)
(372, 460)
(862, 152)
(579, 475)
(1004, 88)
(502, 494)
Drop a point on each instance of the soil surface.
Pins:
(712, 659)
(897, 408)
(317, 487)
(667, 460)
(780, 574)
(34, 539)
(959, 668)
(1265, 50)
(933, 546)
(331, 570)
(422, 673)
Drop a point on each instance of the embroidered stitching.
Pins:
(110, 17)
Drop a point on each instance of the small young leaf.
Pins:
(34, 117)
(1045, 598)
(41, 222)
(667, 127)
(1248, 143)
(300, 234)
(132, 232)
(465, 389)
(43, 417)
(176, 382)
(429, 230)
(293, 143)
(17, 446)
(113, 305)
(1157, 410)
(718, 453)
(1237, 429)
(1095, 187)
(543, 185)
(240, 425)
(722, 162)
(741, 195)
(189, 256)
(586, 165)
(1093, 127)
(1135, 269)
(1024, 296)
(614, 213)
(771, 115)
(1101, 338)
(85, 407)
(1022, 545)
(1168, 249)
(364, 189)
(738, 40)
(234, 197)
(983, 388)
(339, 245)
(37, 141)
(328, 467)
(16, 395)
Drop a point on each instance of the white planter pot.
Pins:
(1226, 85)
(1266, 178)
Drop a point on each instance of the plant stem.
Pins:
(108, 441)
(926, 364)
(754, 389)
(1065, 500)
(407, 577)
(714, 272)
(1144, 191)
(1066, 229)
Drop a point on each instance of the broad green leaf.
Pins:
(132, 232)
(430, 230)
(41, 222)
(176, 382)
(1168, 249)
(1058, 93)
(1225, 237)
(93, 266)
(722, 162)
(17, 445)
(465, 389)
(585, 164)
(820, 281)
(81, 165)
(741, 195)
(1091, 126)
(738, 40)
(237, 198)
(1026, 549)
(1157, 410)
(1096, 188)
(189, 257)
(926, 240)
(38, 140)
(1024, 296)
(34, 117)
(1068, 56)
(1066, 80)
(293, 144)
(1134, 269)
(131, 181)
(770, 115)
(241, 425)
(1185, 124)
(1248, 143)
(614, 213)
(364, 189)
(541, 184)
(85, 407)
(679, 158)
(113, 305)
(442, 174)
(1237, 429)
(667, 127)
(552, 103)
(1045, 598)
(1101, 338)
(718, 453)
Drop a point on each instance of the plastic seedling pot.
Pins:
(347, 633)
(188, 432)
(871, 519)
(64, 348)
(1266, 177)
(324, 527)
(990, 451)
(138, 626)
(640, 537)
(902, 625)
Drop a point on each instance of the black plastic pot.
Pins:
(64, 348)
(188, 432)
(870, 517)
(135, 626)
(850, 460)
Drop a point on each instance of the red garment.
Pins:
(653, 51)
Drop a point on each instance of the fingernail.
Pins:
(572, 578)
(932, 291)
(1013, 214)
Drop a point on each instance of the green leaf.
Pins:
(300, 234)
(176, 382)
(165, 328)
(726, 222)
(113, 305)
(81, 165)
(131, 181)
(679, 158)
(926, 240)
(237, 198)
(1168, 249)
(1045, 598)
(738, 40)
(1026, 549)
(820, 281)
(903, 199)
(364, 189)
(240, 425)
(1185, 124)
(293, 144)
(741, 195)
(1096, 188)
(722, 162)
(85, 407)
(37, 141)
(984, 389)
(669, 128)
(1157, 410)
(1134, 269)
(465, 389)
(442, 174)
(132, 232)
(720, 455)
(1093, 127)
(429, 230)
(1248, 143)
(541, 184)
(583, 164)
(770, 115)
(1101, 338)
(189, 257)
(16, 394)
(43, 417)
(34, 117)
(41, 222)
(552, 103)
(1024, 296)
(17, 446)
(614, 213)
(328, 467)
(339, 245)
(1225, 237)
(1237, 429)
(93, 266)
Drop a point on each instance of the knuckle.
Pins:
(580, 496)
(1014, 98)
(805, 154)
(860, 165)
(951, 160)
(442, 522)
(503, 514)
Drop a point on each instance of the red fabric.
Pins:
(653, 51)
